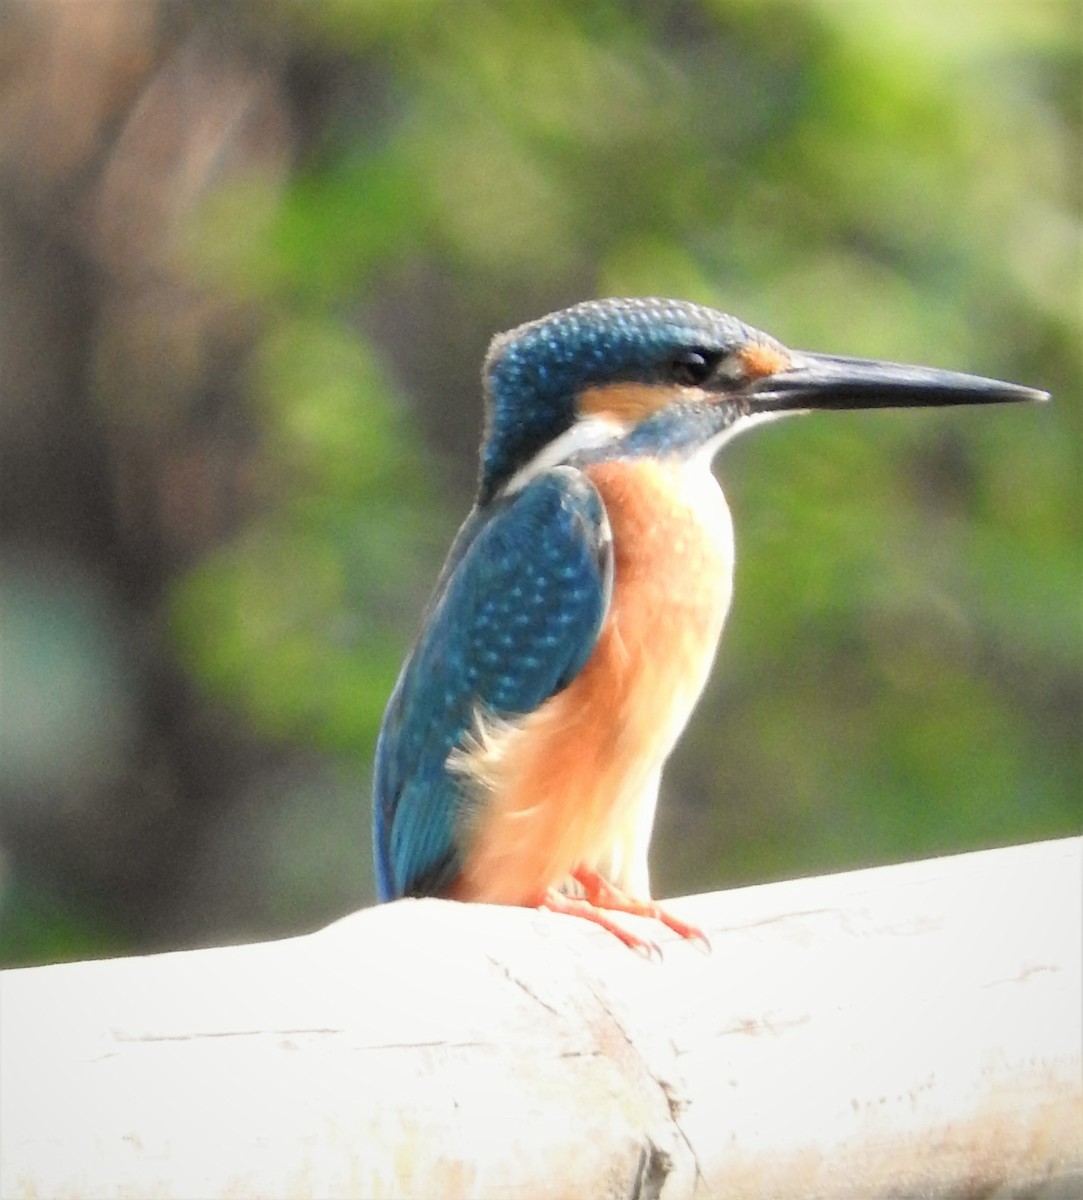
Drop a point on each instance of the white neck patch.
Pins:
(588, 433)
(591, 433)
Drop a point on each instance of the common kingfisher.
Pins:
(575, 620)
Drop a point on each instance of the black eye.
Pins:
(691, 367)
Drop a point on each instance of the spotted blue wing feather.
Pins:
(515, 617)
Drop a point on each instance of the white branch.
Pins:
(904, 1031)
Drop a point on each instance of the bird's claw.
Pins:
(577, 906)
(600, 898)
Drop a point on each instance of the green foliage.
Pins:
(38, 929)
(299, 618)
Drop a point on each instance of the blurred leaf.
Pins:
(299, 618)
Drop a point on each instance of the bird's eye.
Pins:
(691, 367)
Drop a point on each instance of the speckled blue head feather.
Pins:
(534, 373)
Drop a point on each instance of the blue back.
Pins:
(516, 615)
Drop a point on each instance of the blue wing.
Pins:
(515, 616)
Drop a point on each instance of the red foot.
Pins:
(575, 906)
(601, 897)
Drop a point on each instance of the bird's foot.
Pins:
(600, 898)
(603, 894)
(578, 906)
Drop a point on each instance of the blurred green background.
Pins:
(253, 254)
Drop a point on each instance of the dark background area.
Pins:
(252, 255)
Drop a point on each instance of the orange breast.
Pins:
(574, 781)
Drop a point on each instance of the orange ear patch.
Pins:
(628, 403)
(760, 358)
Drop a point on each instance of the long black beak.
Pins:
(827, 381)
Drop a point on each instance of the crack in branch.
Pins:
(523, 986)
(674, 1105)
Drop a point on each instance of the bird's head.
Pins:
(669, 378)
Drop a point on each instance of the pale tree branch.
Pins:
(904, 1031)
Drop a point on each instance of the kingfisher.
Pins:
(575, 620)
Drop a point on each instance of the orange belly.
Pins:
(575, 782)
